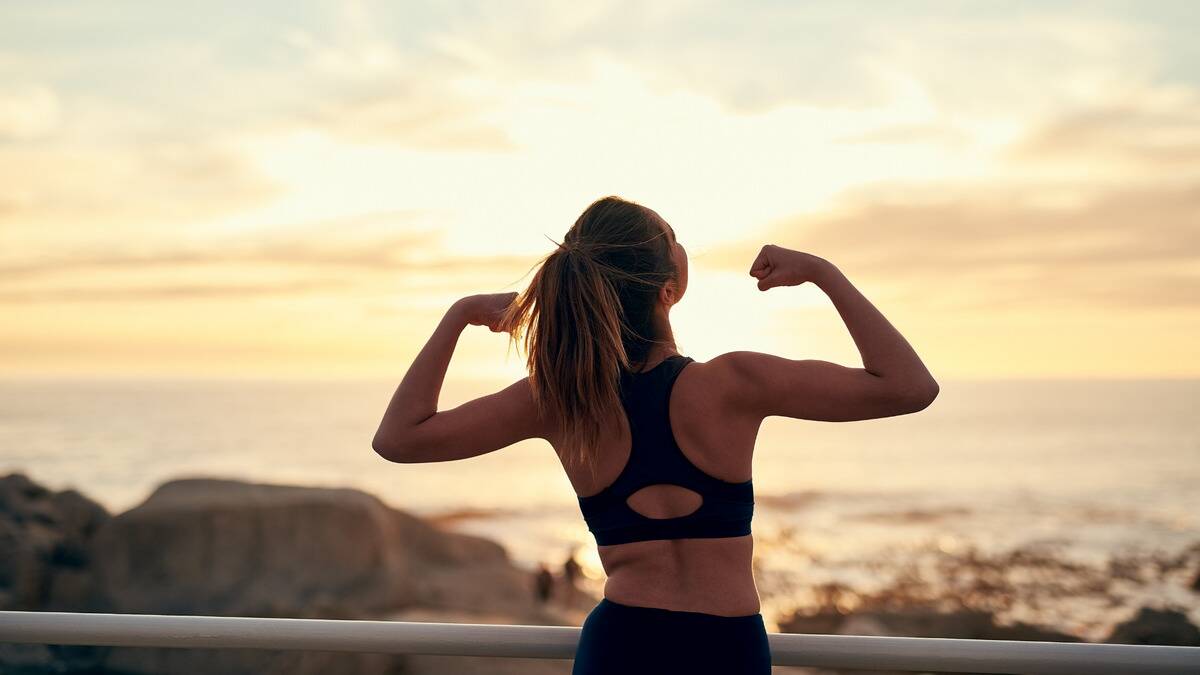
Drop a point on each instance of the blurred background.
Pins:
(226, 230)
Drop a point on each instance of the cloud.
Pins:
(365, 87)
(755, 57)
(942, 134)
(169, 291)
(1096, 207)
(348, 256)
(376, 255)
(987, 247)
(1150, 135)
(28, 113)
(677, 45)
(90, 185)
(426, 119)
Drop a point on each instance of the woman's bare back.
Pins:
(712, 575)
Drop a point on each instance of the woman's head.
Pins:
(596, 307)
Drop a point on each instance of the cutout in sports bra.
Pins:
(725, 508)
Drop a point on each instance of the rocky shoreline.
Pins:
(233, 548)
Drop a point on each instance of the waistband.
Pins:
(679, 614)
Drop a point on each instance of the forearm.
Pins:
(884, 350)
(416, 399)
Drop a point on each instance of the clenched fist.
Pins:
(486, 309)
(778, 266)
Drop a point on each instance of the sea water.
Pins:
(1085, 494)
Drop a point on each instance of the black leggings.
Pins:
(622, 639)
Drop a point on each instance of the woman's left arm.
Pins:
(413, 430)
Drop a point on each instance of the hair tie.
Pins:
(572, 247)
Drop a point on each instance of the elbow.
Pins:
(389, 448)
(912, 397)
(920, 397)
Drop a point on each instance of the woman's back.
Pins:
(673, 528)
(693, 566)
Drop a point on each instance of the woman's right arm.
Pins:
(893, 380)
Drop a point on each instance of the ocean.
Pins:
(1064, 502)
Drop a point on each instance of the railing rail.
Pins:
(559, 642)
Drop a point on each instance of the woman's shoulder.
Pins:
(723, 377)
(730, 367)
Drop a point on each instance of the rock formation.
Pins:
(234, 548)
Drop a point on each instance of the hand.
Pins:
(486, 309)
(778, 266)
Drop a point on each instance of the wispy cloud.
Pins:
(987, 247)
(419, 120)
(80, 187)
(911, 133)
(1165, 136)
(309, 255)
(1097, 207)
(369, 88)
(27, 112)
(169, 291)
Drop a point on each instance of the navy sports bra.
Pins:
(655, 458)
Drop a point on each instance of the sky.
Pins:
(297, 189)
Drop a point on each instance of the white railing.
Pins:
(558, 642)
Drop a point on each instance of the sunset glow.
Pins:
(302, 190)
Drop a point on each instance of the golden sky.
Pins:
(297, 189)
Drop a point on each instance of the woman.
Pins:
(656, 445)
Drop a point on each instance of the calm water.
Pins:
(1090, 472)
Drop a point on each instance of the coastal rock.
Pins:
(1156, 627)
(431, 664)
(228, 547)
(920, 622)
(128, 661)
(235, 548)
(33, 659)
(826, 622)
(44, 540)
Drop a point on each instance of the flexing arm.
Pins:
(416, 399)
(884, 351)
(413, 430)
(892, 381)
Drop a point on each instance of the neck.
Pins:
(665, 337)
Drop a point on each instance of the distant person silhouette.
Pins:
(571, 573)
(543, 583)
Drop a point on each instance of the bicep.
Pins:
(766, 385)
(476, 427)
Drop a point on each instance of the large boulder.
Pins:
(1156, 627)
(228, 547)
(235, 548)
(44, 542)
